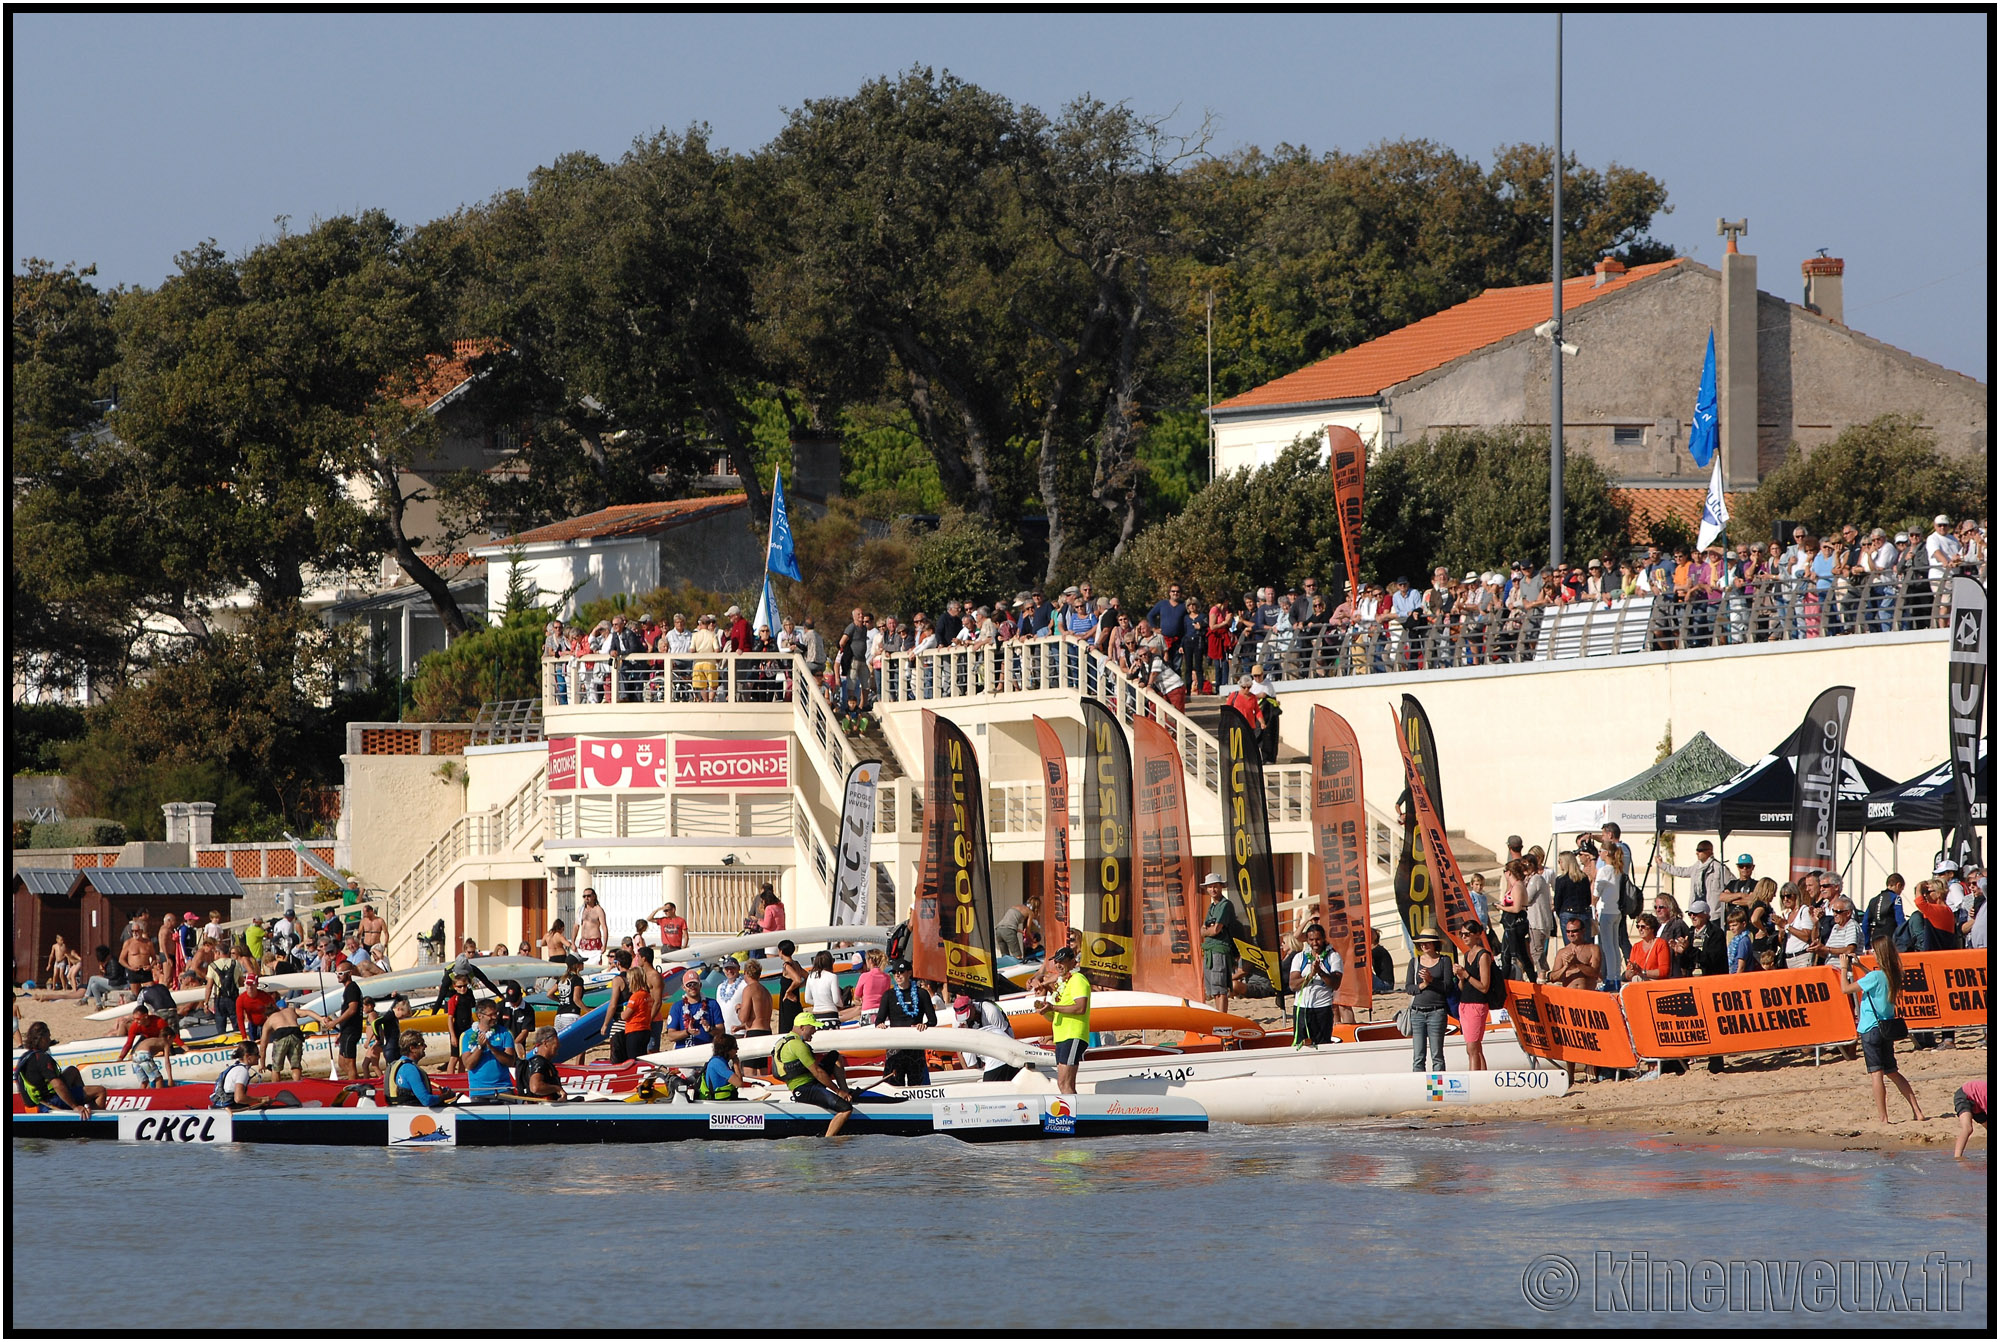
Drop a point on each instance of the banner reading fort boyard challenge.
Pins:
(854, 871)
(1942, 990)
(954, 921)
(1165, 954)
(1415, 881)
(1055, 836)
(1821, 745)
(1246, 836)
(1337, 876)
(1968, 704)
(1107, 851)
(1452, 905)
(1575, 1025)
(1737, 1013)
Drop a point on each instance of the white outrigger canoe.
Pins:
(798, 936)
(1266, 1085)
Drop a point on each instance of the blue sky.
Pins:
(135, 136)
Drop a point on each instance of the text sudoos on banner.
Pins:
(1737, 1013)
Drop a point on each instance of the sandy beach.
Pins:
(1778, 1100)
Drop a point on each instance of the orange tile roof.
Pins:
(630, 519)
(440, 376)
(1431, 343)
(1648, 504)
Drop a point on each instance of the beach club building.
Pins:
(660, 781)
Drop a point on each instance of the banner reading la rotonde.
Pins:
(1337, 875)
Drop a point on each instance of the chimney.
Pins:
(201, 823)
(1736, 360)
(1607, 271)
(816, 465)
(1822, 275)
(177, 820)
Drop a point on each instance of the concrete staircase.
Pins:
(874, 744)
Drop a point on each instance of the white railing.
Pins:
(805, 832)
(499, 829)
(662, 677)
(1038, 665)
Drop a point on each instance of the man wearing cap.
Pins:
(1706, 874)
(1943, 552)
(695, 1020)
(1218, 944)
(729, 995)
(1739, 890)
(905, 1006)
(1068, 1012)
(809, 1081)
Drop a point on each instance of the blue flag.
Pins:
(1703, 434)
(780, 558)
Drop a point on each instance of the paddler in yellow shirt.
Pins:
(1069, 1017)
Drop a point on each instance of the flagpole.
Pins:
(1556, 340)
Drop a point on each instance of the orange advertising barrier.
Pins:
(1942, 990)
(1569, 1025)
(1736, 1013)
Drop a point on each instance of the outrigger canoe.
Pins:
(1006, 1119)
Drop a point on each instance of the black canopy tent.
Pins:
(1925, 801)
(1759, 800)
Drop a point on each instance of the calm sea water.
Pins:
(1371, 1226)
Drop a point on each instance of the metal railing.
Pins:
(670, 677)
(1759, 610)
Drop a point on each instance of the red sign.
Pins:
(623, 762)
(732, 764)
(562, 763)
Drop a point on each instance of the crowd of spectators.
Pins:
(1818, 586)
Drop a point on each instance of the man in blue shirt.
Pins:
(695, 1019)
(1169, 615)
(489, 1055)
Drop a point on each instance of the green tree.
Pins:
(621, 292)
(889, 276)
(964, 556)
(72, 605)
(1477, 499)
(1465, 499)
(497, 662)
(250, 720)
(1888, 472)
